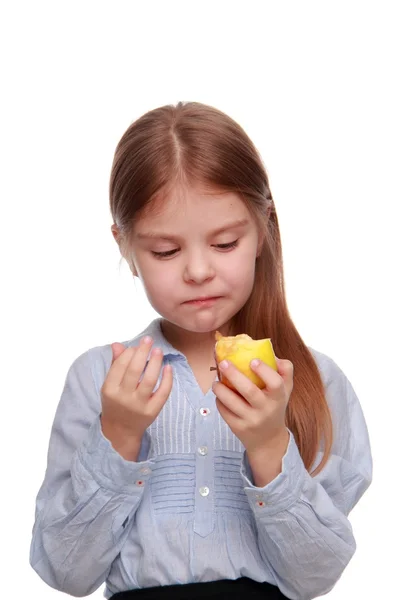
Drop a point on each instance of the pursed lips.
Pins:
(201, 299)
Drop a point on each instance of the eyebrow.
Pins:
(165, 236)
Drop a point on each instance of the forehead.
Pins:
(198, 207)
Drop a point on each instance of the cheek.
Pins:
(159, 281)
(240, 271)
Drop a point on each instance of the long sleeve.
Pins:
(304, 534)
(86, 504)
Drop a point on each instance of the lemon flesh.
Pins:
(240, 350)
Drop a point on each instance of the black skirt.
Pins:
(231, 589)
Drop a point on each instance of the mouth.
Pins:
(202, 301)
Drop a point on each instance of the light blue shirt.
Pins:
(187, 510)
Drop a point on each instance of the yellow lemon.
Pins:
(240, 351)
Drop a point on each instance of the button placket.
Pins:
(204, 411)
(204, 494)
(143, 476)
(259, 500)
(145, 471)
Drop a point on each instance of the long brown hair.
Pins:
(196, 143)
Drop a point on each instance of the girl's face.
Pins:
(196, 257)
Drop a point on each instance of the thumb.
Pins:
(285, 367)
(117, 350)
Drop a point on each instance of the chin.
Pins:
(205, 323)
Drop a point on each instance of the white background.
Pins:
(316, 85)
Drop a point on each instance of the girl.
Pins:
(161, 481)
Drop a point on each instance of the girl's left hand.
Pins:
(256, 417)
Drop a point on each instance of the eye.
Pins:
(169, 253)
(227, 246)
(165, 254)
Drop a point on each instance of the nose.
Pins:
(198, 268)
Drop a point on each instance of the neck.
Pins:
(190, 343)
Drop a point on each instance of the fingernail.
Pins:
(255, 362)
(147, 340)
(223, 365)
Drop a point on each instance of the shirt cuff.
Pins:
(282, 491)
(109, 469)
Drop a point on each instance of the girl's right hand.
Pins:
(129, 407)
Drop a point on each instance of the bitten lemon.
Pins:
(240, 351)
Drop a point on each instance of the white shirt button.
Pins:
(203, 450)
(204, 412)
(145, 471)
(204, 491)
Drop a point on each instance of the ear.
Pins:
(115, 232)
(261, 238)
(262, 233)
(117, 236)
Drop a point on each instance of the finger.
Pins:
(273, 381)
(286, 371)
(285, 368)
(119, 366)
(244, 386)
(151, 374)
(117, 350)
(159, 398)
(137, 364)
(229, 417)
(236, 405)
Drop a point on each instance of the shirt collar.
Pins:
(155, 332)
